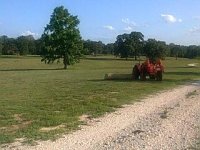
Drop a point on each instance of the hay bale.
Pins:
(192, 65)
(112, 76)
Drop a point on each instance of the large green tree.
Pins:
(129, 44)
(122, 46)
(154, 49)
(62, 38)
(136, 42)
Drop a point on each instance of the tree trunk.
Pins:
(65, 61)
(65, 66)
(135, 55)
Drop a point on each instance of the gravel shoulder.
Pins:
(167, 120)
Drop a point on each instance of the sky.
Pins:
(173, 21)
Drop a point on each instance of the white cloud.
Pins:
(129, 22)
(194, 30)
(197, 17)
(128, 29)
(170, 18)
(109, 27)
(29, 33)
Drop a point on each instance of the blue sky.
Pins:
(176, 21)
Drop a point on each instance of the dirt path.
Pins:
(168, 120)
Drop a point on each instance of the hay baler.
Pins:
(151, 69)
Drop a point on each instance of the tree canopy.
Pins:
(62, 38)
(155, 49)
(129, 44)
(26, 45)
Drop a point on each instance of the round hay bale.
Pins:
(112, 76)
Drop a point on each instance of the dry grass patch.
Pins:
(16, 127)
(85, 118)
(22, 123)
(18, 117)
(47, 129)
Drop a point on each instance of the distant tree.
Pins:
(99, 47)
(192, 51)
(129, 44)
(109, 48)
(175, 50)
(3, 39)
(26, 45)
(122, 46)
(155, 49)
(1, 47)
(93, 47)
(31, 45)
(23, 45)
(38, 46)
(9, 46)
(86, 47)
(62, 38)
(136, 42)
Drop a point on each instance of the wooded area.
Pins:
(24, 45)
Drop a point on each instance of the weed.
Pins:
(163, 115)
(190, 94)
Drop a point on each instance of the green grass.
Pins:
(34, 95)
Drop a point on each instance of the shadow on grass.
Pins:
(108, 59)
(126, 80)
(114, 80)
(149, 81)
(184, 73)
(7, 70)
(19, 57)
(185, 67)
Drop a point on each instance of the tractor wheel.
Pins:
(143, 72)
(135, 73)
(152, 77)
(142, 77)
(159, 76)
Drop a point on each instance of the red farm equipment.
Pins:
(151, 69)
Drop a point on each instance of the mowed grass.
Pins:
(34, 95)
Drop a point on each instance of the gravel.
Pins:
(167, 120)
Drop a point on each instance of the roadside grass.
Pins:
(34, 95)
(190, 94)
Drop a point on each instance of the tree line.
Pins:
(133, 45)
(22, 45)
(125, 46)
(28, 45)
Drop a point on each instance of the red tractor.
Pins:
(149, 68)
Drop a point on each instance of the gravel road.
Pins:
(169, 121)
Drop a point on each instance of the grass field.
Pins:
(35, 96)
